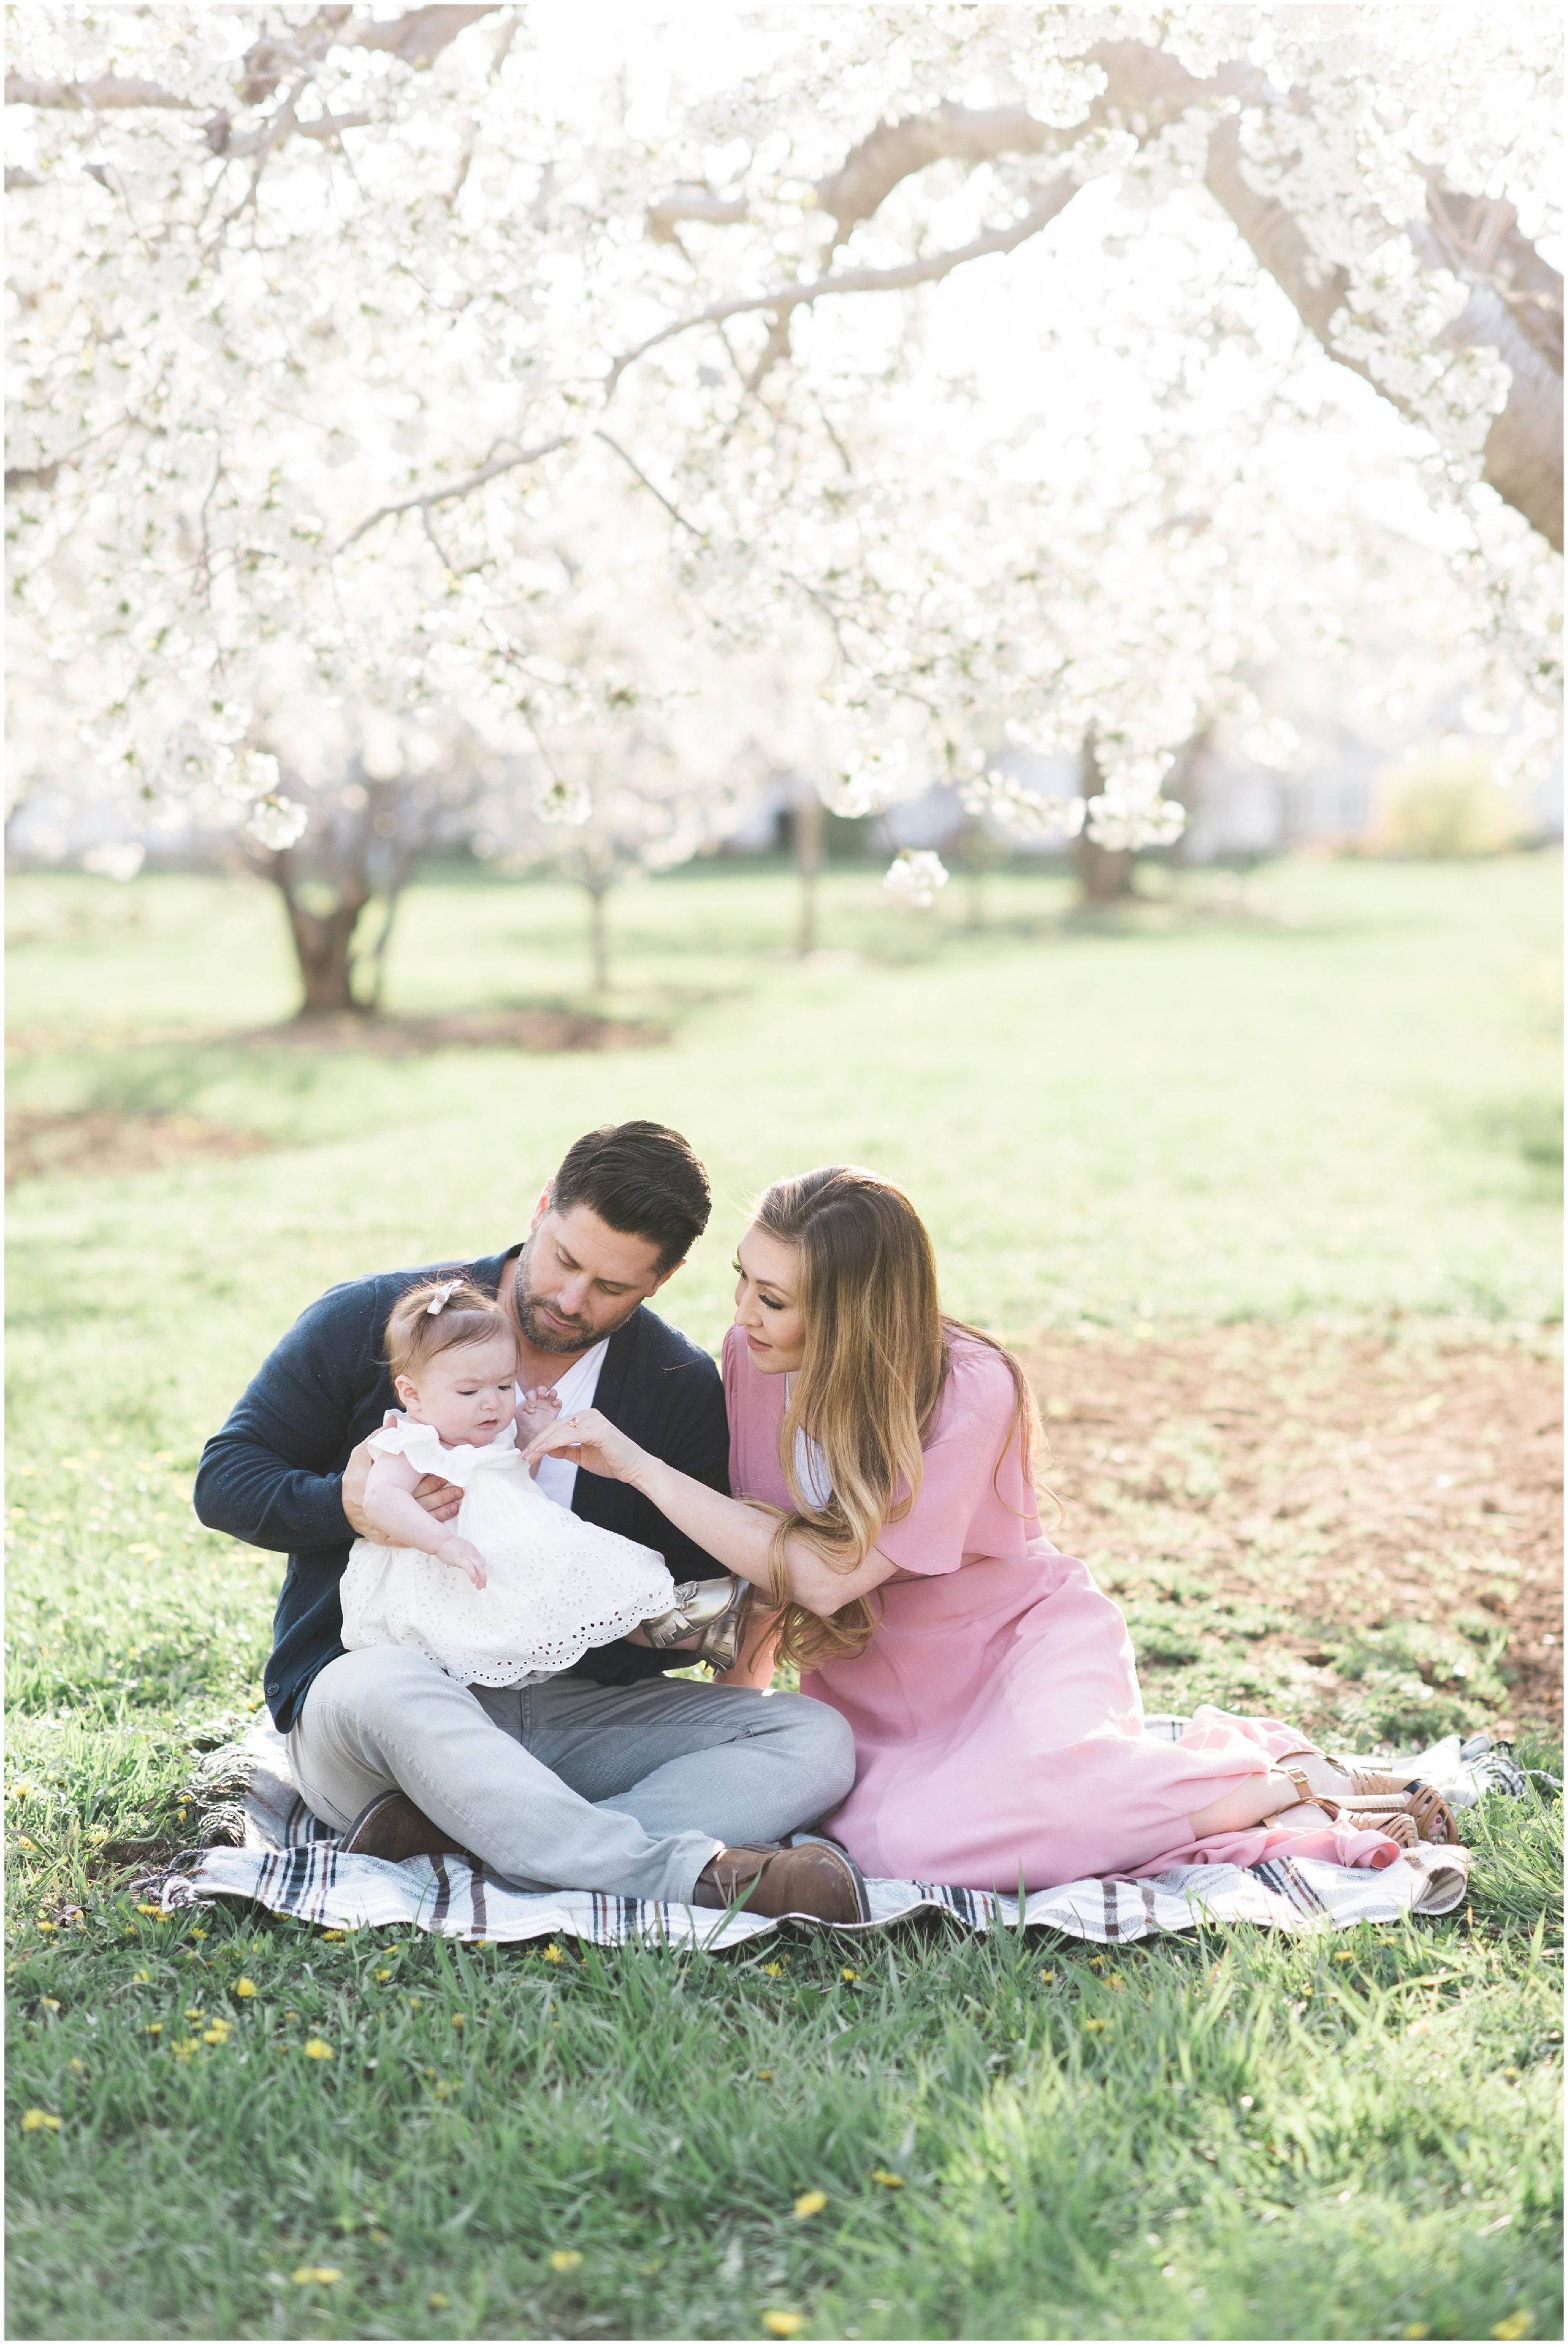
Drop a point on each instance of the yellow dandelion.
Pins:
(849, 1977)
(553, 1952)
(1344, 1958)
(809, 2203)
(153, 2028)
(42, 1924)
(889, 2181)
(41, 2121)
(383, 1976)
(773, 1970)
(216, 2034)
(183, 2046)
(244, 1986)
(1047, 1978)
(766, 2074)
(440, 2303)
(318, 2274)
(198, 1933)
(330, 1935)
(457, 2019)
(1100, 2025)
(199, 2012)
(49, 2002)
(316, 2050)
(1418, 2328)
(565, 2259)
(141, 1978)
(1515, 2325)
(784, 2324)
(76, 2067)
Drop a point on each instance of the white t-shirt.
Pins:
(557, 1477)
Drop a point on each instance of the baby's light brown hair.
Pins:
(437, 1315)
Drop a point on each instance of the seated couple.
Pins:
(861, 1487)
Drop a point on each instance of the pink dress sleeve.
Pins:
(974, 1498)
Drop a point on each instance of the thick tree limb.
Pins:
(895, 150)
(1518, 315)
(417, 37)
(420, 37)
(89, 96)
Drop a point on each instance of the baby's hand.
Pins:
(535, 1410)
(463, 1555)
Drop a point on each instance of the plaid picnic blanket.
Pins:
(279, 1855)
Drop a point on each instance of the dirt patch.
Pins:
(1362, 1533)
(99, 1141)
(479, 1029)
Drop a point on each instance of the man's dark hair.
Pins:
(642, 1178)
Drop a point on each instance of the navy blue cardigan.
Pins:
(273, 1476)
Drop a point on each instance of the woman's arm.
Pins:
(738, 1535)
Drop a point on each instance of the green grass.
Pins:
(1335, 1109)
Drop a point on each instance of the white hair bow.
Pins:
(441, 1297)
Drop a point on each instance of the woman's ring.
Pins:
(573, 1422)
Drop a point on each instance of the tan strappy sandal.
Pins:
(1405, 1813)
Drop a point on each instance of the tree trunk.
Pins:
(808, 864)
(324, 948)
(599, 937)
(1105, 873)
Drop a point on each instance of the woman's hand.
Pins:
(588, 1438)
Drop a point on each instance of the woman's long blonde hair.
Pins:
(876, 1358)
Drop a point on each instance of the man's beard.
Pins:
(581, 1338)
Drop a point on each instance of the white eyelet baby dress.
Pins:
(555, 1585)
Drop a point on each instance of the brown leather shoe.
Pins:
(392, 1828)
(819, 1883)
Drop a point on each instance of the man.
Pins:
(610, 1776)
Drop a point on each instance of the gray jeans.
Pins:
(570, 1785)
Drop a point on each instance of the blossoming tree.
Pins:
(327, 321)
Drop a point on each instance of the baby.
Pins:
(518, 1589)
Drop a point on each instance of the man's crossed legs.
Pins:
(630, 1790)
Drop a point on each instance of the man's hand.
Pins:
(438, 1498)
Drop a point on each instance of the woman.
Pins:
(882, 1457)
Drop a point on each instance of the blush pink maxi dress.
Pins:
(999, 1726)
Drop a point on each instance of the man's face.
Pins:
(578, 1280)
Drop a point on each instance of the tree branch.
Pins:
(802, 295)
(721, 211)
(89, 96)
(463, 488)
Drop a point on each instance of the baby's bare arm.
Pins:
(391, 1508)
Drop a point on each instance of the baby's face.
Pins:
(467, 1394)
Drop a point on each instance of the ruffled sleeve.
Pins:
(422, 1445)
(974, 1498)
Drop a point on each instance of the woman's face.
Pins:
(766, 1311)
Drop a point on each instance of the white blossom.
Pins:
(277, 822)
(915, 877)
